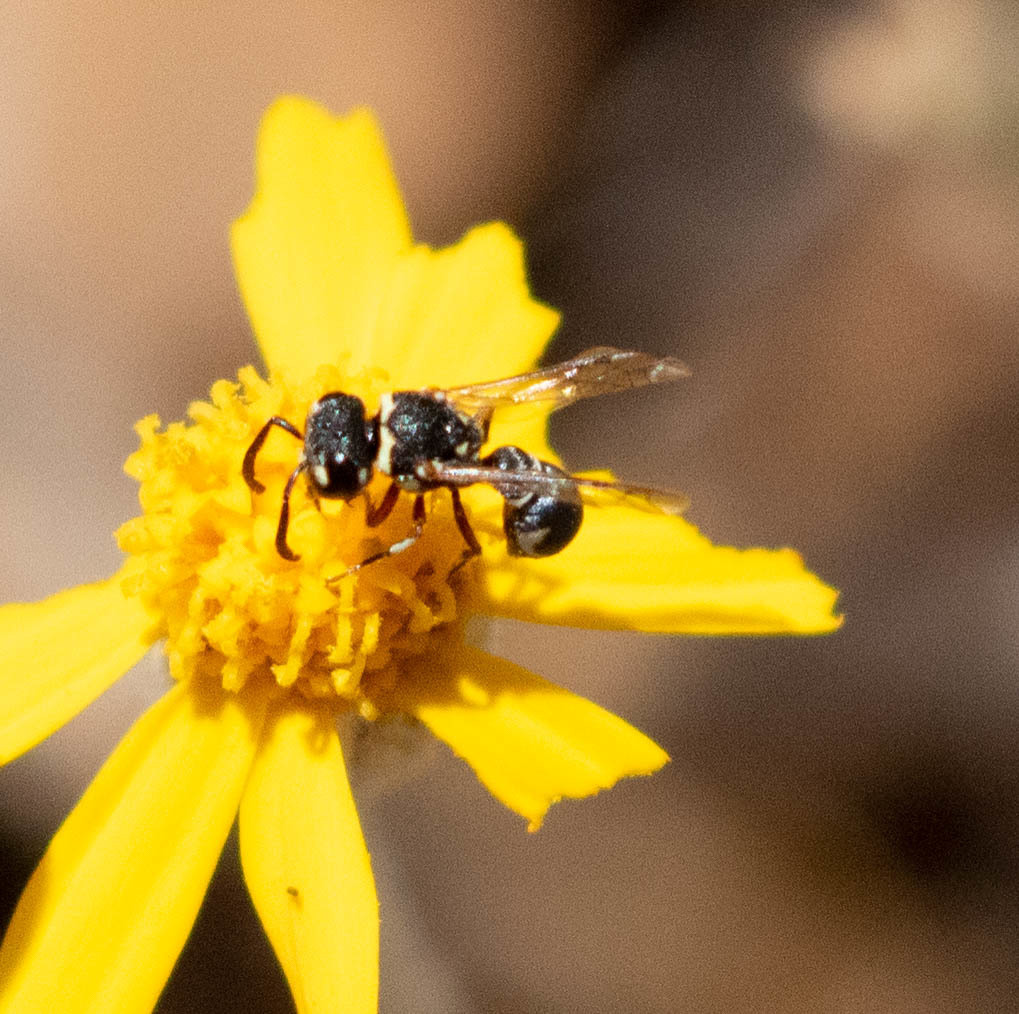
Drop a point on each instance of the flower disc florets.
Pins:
(232, 608)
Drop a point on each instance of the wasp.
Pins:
(432, 439)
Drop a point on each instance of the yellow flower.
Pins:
(266, 653)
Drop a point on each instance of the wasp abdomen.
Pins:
(536, 523)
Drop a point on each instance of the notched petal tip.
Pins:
(653, 761)
(315, 249)
(462, 314)
(629, 569)
(325, 265)
(530, 742)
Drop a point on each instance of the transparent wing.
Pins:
(660, 501)
(596, 371)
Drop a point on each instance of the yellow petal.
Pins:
(460, 315)
(630, 569)
(107, 911)
(529, 741)
(316, 248)
(523, 430)
(58, 655)
(307, 867)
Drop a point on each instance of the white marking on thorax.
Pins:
(386, 440)
(321, 476)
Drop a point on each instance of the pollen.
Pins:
(232, 608)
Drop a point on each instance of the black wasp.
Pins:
(431, 438)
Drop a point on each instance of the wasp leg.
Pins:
(281, 529)
(248, 468)
(473, 546)
(375, 515)
(418, 516)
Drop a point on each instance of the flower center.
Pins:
(232, 608)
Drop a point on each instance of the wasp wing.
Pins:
(516, 482)
(601, 370)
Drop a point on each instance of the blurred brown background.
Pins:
(814, 204)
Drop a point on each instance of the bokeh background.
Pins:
(815, 205)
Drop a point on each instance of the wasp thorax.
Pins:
(417, 426)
